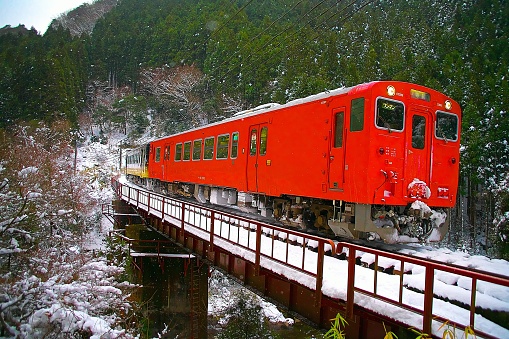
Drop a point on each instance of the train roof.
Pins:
(275, 106)
(271, 107)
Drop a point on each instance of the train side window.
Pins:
(178, 152)
(208, 151)
(197, 150)
(254, 137)
(418, 131)
(158, 154)
(390, 114)
(446, 126)
(235, 145)
(223, 142)
(357, 115)
(187, 150)
(263, 140)
(167, 153)
(338, 129)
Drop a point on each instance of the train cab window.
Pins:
(390, 114)
(208, 149)
(357, 115)
(338, 129)
(263, 140)
(252, 145)
(235, 145)
(187, 150)
(158, 154)
(197, 150)
(418, 131)
(178, 152)
(223, 142)
(446, 126)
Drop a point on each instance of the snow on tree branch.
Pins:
(49, 286)
(180, 85)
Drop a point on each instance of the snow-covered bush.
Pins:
(49, 285)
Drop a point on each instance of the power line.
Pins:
(281, 32)
(296, 32)
(266, 29)
(230, 19)
(344, 18)
(277, 20)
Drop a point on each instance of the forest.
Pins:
(144, 69)
(189, 62)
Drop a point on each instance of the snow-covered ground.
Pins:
(101, 162)
(224, 293)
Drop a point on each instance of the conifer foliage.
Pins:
(217, 56)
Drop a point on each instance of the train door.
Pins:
(337, 149)
(257, 148)
(418, 147)
(166, 161)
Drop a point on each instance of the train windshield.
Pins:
(446, 126)
(390, 114)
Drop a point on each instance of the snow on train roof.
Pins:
(271, 107)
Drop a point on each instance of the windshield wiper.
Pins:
(386, 124)
(441, 132)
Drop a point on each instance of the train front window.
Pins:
(446, 126)
(390, 114)
(418, 131)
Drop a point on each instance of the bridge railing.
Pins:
(421, 291)
(263, 244)
(415, 290)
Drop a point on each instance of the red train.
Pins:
(376, 159)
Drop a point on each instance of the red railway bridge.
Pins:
(318, 278)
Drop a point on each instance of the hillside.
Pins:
(190, 62)
(82, 19)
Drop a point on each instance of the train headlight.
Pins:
(448, 105)
(391, 91)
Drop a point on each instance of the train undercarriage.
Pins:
(415, 222)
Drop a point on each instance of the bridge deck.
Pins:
(318, 278)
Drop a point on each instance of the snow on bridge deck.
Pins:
(424, 295)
